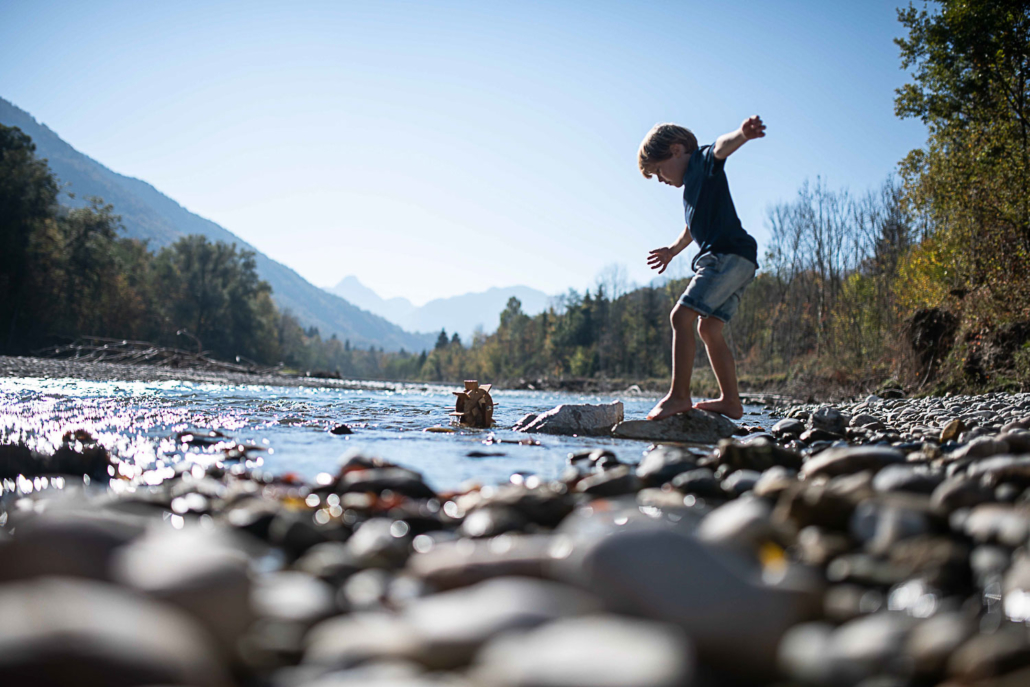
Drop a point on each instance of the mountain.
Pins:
(462, 314)
(148, 214)
(396, 310)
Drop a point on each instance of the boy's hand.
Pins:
(753, 128)
(660, 258)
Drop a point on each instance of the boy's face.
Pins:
(671, 170)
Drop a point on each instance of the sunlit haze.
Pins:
(433, 149)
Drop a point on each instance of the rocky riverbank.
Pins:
(877, 542)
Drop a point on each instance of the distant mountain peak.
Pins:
(462, 314)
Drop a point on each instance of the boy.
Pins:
(725, 264)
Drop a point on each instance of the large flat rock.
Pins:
(582, 419)
(695, 426)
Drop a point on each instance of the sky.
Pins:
(436, 148)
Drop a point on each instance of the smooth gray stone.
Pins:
(999, 523)
(984, 656)
(459, 563)
(65, 631)
(294, 597)
(65, 543)
(453, 625)
(381, 543)
(492, 520)
(742, 522)
(599, 651)
(695, 426)
(907, 478)
(569, 418)
(618, 481)
(663, 463)
(775, 481)
(960, 491)
(868, 645)
(933, 641)
(980, 447)
(349, 640)
(845, 460)
(716, 596)
(740, 481)
(829, 419)
(201, 572)
(788, 426)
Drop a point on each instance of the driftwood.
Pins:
(95, 349)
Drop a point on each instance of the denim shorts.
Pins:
(717, 285)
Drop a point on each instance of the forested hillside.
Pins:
(149, 215)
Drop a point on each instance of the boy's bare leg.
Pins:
(678, 398)
(725, 369)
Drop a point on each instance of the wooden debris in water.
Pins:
(474, 407)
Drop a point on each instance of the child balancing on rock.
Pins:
(725, 265)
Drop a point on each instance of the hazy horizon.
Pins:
(419, 146)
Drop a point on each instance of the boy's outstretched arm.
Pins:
(727, 143)
(659, 258)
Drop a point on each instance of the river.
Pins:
(149, 425)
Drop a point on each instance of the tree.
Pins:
(28, 197)
(970, 64)
(214, 293)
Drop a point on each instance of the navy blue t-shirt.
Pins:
(709, 208)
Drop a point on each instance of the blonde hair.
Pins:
(657, 145)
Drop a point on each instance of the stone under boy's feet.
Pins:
(669, 406)
(732, 410)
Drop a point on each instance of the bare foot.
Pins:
(733, 410)
(669, 406)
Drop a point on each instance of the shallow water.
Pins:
(141, 424)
